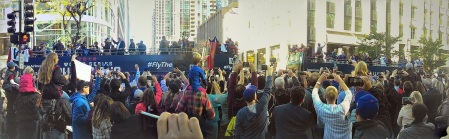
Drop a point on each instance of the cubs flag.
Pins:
(213, 49)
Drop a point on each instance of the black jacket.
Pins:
(121, 46)
(394, 98)
(132, 47)
(53, 90)
(26, 108)
(432, 99)
(370, 129)
(121, 96)
(412, 77)
(292, 122)
(131, 129)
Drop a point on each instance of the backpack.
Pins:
(51, 117)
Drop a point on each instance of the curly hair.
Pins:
(46, 70)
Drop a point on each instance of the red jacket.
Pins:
(27, 84)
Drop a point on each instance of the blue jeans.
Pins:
(53, 134)
(28, 129)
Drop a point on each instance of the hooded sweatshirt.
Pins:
(80, 112)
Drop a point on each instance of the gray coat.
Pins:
(418, 131)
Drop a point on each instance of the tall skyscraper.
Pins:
(177, 19)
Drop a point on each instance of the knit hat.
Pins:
(408, 65)
(115, 84)
(248, 94)
(367, 107)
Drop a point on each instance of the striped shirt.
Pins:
(336, 124)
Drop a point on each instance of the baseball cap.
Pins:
(367, 107)
(11, 64)
(248, 94)
(138, 93)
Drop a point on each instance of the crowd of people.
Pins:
(108, 47)
(211, 103)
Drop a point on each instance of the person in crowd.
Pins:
(420, 87)
(147, 103)
(170, 100)
(196, 75)
(342, 56)
(117, 92)
(184, 128)
(80, 110)
(132, 47)
(214, 93)
(125, 125)
(405, 116)
(2, 97)
(298, 123)
(410, 75)
(95, 49)
(252, 120)
(10, 85)
(51, 79)
(442, 120)
(58, 47)
(142, 48)
(308, 102)
(235, 92)
(56, 107)
(432, 99)
(101, 118)
(336, 125)
(222, 99)
(407, 89)
(136, 94)
(394, 98)
(371, 119)
(26, 106)
(120, 46)
(418, 129)
(334, 54)
(197, 95)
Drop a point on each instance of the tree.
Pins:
(377, 43)
(72, 10)
(431, 54)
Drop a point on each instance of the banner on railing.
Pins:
(155, 63)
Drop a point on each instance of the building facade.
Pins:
(106, 19)
(177, 19)
(336, 23)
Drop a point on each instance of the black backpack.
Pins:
(51, 116)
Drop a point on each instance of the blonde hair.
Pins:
(360, 69)
(417, 96)
(331, 93)
(46, 70)
(196, 57)
(28, 70)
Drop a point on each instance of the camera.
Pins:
(149, 78)
(264, 67)
(114, 72)
(245, 64)
(407, 100)
(330, 77)
(355, 81)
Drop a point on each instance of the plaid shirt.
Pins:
(193, 103)
(104, 131)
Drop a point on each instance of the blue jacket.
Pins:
(80, 112)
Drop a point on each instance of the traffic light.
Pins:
(29, 18)
(11, 22)
(20, 38)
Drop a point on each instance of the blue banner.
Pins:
(159, 64)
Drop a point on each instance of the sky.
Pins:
(140, 18)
